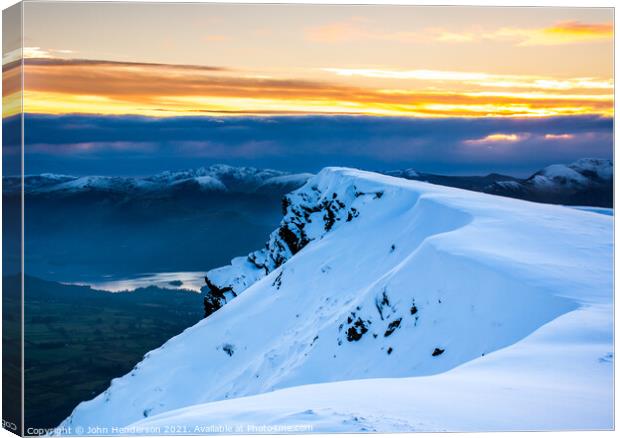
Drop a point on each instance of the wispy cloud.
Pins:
(566, 32)
(495, 138)
(482, 79)
(559, 136)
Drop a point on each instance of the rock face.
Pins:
(309, 214)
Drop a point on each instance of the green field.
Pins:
(78, 339)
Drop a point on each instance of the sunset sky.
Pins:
(201, 60)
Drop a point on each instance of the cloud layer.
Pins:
(138, 145)
(65, 86)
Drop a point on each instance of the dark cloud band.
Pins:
(136, 145)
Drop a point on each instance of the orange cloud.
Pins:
(495, 138)
(566, 32)
(559, 136)
(60, 86)
(603, 30)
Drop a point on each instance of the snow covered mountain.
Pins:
(415, 306)
(588, 181)
(216, 178)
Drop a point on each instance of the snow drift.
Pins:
(373, 277)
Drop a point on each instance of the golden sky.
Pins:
(209, 59)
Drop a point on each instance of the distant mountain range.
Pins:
(588, 181)
(216, 178)
(80, 228)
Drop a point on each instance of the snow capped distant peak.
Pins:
(581, 173)
(405, 173)
(594, 166)
(218, 178)
(559, 173)
(205, 182)
(53, 176)
(245, 179)
(585, 182)
(210, 182)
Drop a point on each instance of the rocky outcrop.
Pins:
(309, 214)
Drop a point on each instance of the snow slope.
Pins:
(558, 378)
(372, 277)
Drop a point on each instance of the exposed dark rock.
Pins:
(294, 243)
(229, 349)
(300, 208)
(353, 213)
(382, 302)
(357, 329)
(438, 351)
(277, 283)
(211, 304)
(215, 297)
(286, 203)
(392, 327)
(329, 218)
(216, 289)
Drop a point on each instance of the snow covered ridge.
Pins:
(420, 285)
(215, 178)
(309, 213)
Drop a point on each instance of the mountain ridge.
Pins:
(218, 177)
(587, 181)
(421, 280)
